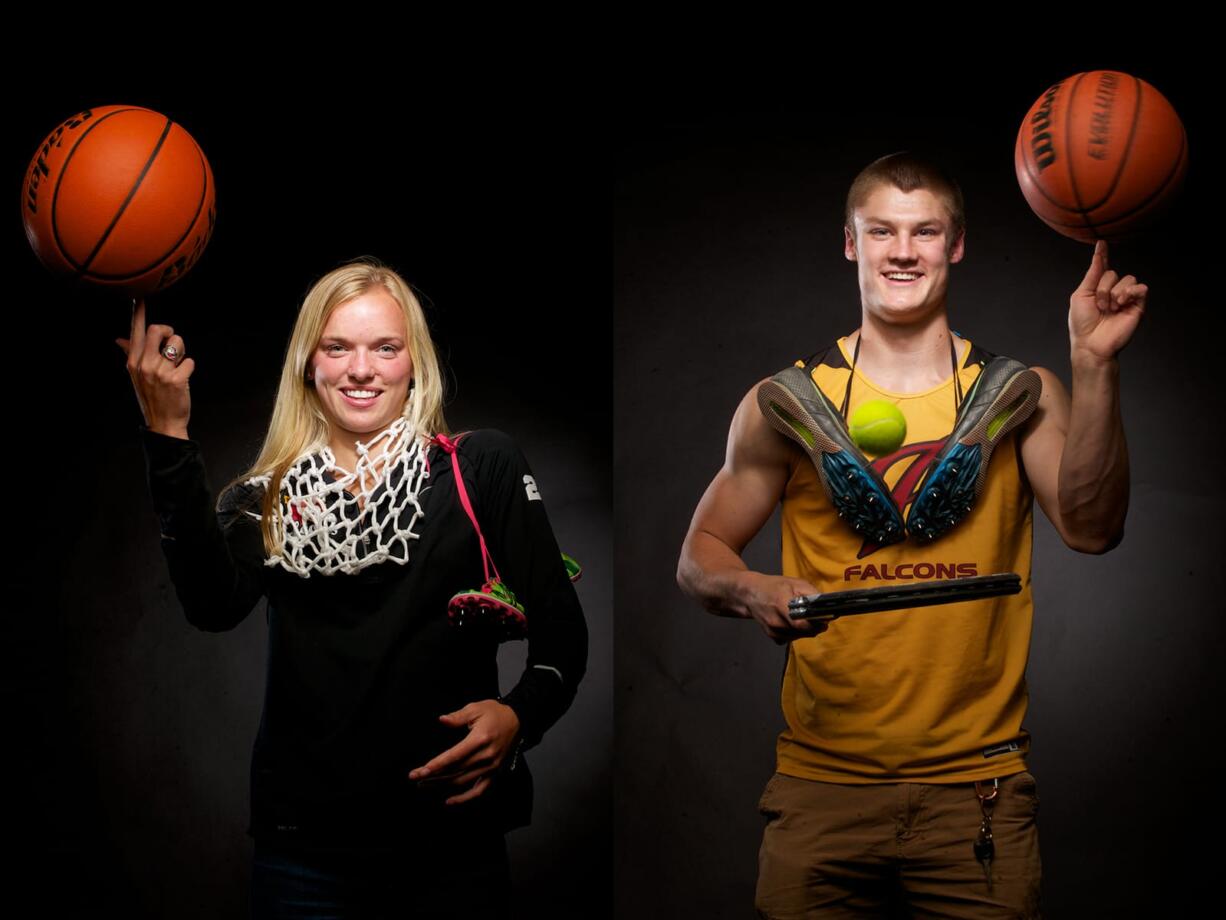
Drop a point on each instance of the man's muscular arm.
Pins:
(1081, 479)
(737, 503)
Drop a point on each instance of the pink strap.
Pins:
(450, 447)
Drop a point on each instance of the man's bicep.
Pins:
(1042, 442)
(733, 509)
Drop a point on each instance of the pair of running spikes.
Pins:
(493, 606)
(1002, 397)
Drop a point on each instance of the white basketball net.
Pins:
(353, 521)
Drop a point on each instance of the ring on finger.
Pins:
(170, 353)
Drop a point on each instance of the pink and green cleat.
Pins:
(494, 604)
(574, 571)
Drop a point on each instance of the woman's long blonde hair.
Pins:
(298, 422)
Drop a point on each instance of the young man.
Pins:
(902, 774)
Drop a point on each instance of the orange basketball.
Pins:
(121, 197)
(1100, 155)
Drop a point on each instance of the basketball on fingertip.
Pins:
(1101, 155)
(119, 197)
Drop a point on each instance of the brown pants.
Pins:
(906, 849)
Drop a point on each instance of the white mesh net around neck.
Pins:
(357, 519)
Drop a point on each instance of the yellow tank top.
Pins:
(934, 694)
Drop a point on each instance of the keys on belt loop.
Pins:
(985, 849)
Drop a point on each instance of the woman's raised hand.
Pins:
(159, 373)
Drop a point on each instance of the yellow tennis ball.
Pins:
(878, 427)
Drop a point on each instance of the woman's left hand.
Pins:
(492, 730)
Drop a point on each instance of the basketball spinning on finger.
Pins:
(119, 197)
(1100, 155)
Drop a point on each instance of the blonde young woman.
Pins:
(386, 767)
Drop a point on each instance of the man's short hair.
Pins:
(907, 171)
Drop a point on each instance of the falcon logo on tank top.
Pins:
(920, 455)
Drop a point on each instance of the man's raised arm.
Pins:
(1074, 451)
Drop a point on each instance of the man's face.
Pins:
(903, 249)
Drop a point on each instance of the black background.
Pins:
(129, 732)
(731, 182)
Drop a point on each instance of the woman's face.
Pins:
(362, 367)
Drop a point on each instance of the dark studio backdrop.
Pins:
(729, 195)
(129, 733)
